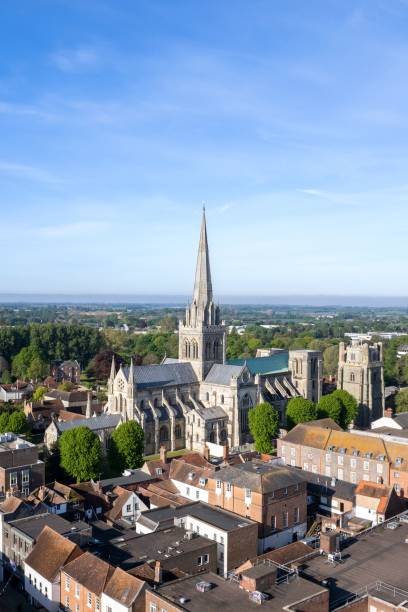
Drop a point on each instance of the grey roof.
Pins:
(211, 412)
(32, 526)
(221, 374)
(160, 517)
(324, 485)
(402, 419)
(164, 374)
(134, 478)
(104, 421)
(259, 476)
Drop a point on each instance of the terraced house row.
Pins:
(323, 448)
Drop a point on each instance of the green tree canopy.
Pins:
(401, 401)
(300, 410)
(66, 386)
(17, 423)
(39, 394)
(29, 364)
(263, 425)
(81, 454)
(126, 446)
(330, 407)
(349, 406)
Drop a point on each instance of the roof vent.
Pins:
(183, 599)
(203, 586)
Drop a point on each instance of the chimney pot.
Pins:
(163, 454)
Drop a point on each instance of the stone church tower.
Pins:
(361, 373)
(201, 333)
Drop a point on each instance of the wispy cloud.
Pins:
(74, 60)
(24, 171)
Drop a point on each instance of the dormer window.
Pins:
(398, 461)
(203, 482)
(191, 475)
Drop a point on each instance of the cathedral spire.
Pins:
(130, 376)
(113, 370)
(202, 287)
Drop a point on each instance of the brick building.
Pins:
(272, 495)
(20, 468)
(350, 456)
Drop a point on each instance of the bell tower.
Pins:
(201, 333)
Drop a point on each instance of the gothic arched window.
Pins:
(352, 377)
(207, 397)
(141, 405)
(155, 402)
(208, 350)
(177, 432)
(222, 399)
(163, 434)
(215, 349)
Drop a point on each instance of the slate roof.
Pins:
(137, 476)
(162, 375)
(402, 419)
(51, 552)
(105, 421)
(279, 362)
(221, 374)
(32, 526)
(211, 412)
(330, 487)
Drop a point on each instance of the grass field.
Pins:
(170, 454)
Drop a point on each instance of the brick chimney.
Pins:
(206, 453)
(163, 454)
(225, 453)
(158, 573)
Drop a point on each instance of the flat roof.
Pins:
(208, 514)
(227, 596)
(33, 525)
(129, 549)
(380, 554)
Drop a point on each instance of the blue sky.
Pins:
(288, 118)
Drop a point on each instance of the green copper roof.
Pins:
(264, 365)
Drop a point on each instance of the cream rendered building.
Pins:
(200, 398)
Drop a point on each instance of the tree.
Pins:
(330, 407)
(100, 366)
(4, 420)
(168, 324)
(81, 454)
(401, 401)
(37, 369)
(349, 406)
(5, 377)
(263, 425)
(17, 423)
(29, 364)
(300, 410)
(66, 386)
(39, 394)
(331, 360)
(126, 446)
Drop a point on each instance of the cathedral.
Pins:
(200, 399)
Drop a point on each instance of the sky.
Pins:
(287, 118)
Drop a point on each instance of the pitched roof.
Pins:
(371, 489)
(90, 572)
(11, 504)
(123, 587)
(278, 362)
(221, 374)
(313, 436)
(161, 375)
(105, 421)
(51, 552)
(402, 419)
(259, 476)
(189, 473)
(116, 511)
(326, 423)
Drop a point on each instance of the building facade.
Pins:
(201, 399)
(361, 373)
